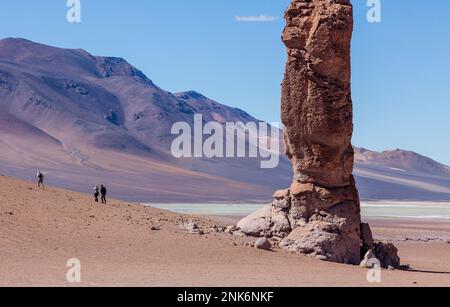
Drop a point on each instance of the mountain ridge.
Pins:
(109, 120)
(402, 160)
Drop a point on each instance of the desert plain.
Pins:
(127, 244)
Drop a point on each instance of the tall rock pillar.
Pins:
(319, 214)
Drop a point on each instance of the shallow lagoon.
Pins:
(407, 210)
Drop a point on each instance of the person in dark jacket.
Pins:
(40, 177)
(103, 193)
(96, 193)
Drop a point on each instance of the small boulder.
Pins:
(230, 229)
(219, 229)
(193, 228)
(257, 224)
(263, 244)
(387, 253)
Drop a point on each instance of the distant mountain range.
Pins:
(400, 175)
(84, 119)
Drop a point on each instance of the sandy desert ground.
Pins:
(41, 230)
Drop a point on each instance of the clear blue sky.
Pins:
(401, 66)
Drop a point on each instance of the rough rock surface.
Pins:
(257, 224)
(319, 215)
(316, 98)
(366, 237)
(387, 254)
(263, 243)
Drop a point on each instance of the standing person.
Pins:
(40, 177)
(103, 192)
(96, 193)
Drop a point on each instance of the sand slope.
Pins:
(41, 230)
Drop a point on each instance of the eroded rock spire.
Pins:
(319, 214)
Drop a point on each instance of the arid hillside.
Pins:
(85, 120)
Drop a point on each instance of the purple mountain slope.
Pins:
(86, 120)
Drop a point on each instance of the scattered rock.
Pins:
(263, 243)
(216, 229)
(230, 229)
(220, 229)
(387, 253)
(192, 228)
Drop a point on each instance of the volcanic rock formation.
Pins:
(320, 214)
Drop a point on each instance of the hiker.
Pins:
(40, 177)
(103, 192)
(96, 193)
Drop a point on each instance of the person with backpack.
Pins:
(40, 177)
(96, 193)
(103, 193)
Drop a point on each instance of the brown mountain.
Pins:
(402, 160)
(401, 175)
(84, 119)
